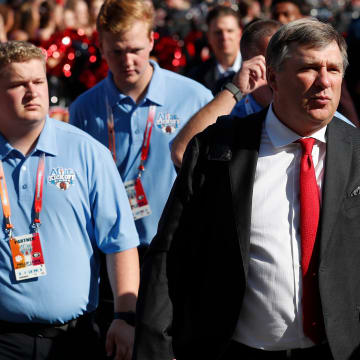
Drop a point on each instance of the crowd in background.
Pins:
(66, 30)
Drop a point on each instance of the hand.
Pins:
(252, 75)
(120, 340)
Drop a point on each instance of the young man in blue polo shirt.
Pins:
(50, 175)
(138, 109)
(136, 112)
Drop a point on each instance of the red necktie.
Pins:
(313, 323)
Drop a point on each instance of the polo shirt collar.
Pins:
(112, 92)
(280, 135)
(153, 94)
(46, 143)
(157, 82)
(234, 67)
(5, 147)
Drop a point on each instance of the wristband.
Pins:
(230, 86)
(128, 317)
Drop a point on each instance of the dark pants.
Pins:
(237, 351)
(79, 340)
(105, 310)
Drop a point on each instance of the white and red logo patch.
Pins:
(62, 178)
(167, 123)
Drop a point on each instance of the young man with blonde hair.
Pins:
(137, 110)
(50, 176)
(147, 106)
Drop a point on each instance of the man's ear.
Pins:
(151, 37)
(271, 78)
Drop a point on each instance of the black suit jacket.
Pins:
(205, 73)
(194, 276)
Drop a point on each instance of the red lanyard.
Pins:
(111, 130)
(147, 135)
(38, 195)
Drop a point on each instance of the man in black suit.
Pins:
(232, 273)
(223, 35)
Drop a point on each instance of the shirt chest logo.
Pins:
(62, 178)
(167, 122)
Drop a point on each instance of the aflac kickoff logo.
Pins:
(62, 178)
(167, 123)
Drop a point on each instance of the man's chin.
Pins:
(321, 115)
(33, 119)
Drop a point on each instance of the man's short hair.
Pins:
(252, 35)
(19, 51)
(220, 11)
(304, 32)
(118, 16)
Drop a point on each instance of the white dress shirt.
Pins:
(235, 67)
(271, 313)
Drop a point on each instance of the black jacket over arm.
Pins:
(194, 275)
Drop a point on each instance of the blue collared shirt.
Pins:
(176, 99)
(92, 214)
(246, 106)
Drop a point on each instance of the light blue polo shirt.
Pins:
(176, 98)
(246, 106)
(85, 210)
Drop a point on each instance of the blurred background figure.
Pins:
(288, 10)
(223, 35)
(352, 76)
(6, 21)
(74, 60)
(249, 10)
(94, 8)
(179, 33)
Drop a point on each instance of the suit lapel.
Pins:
(210, 78)
(242, 169)
(337, 167)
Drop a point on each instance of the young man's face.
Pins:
(224, 36)
(24, 97)
(128, 54)
(307, 89)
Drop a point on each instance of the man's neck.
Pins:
(23, 139)
(226, 61)
(137, 91)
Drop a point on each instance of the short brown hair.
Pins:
(253, 34)
(19, 51)
(219, 11)
(118, 16)
(303, 32)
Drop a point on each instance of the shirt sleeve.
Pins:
(114, 224)
(75, 117)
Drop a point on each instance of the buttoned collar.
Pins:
(234, 67)
(280, 135)
(152, 94)
(46, 143)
